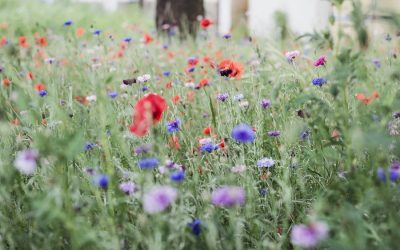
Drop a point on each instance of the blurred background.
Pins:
(267, 17)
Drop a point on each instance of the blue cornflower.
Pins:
(42, 93)
(319, 81)
(148, 163)
(223, 97)
(68, 23)
(243, 133)
(112, 94)
(227, 36)
(394, 171)
(174, 126)
(145, 88)
(274, 133)
(265, 162)
(208, 147)
(102, 180)
(265, 103)
(380, 173)
(177, 176)
(238, 97)
(97, 32)
(89, 146)
(305, 134)
(144, 148)
(128, 39)
(166, 73)
(264, 191)
(195, 226)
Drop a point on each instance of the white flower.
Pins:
(91, 98)
(25, 161)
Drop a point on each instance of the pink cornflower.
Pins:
(321, 61)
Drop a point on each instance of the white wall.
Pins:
(304, 15)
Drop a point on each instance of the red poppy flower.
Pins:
(40, 87)
(6, 82)
(230, 69)
(41, 41)
(203, 83)
(175, 99)
(147, 111)
(205, 23)
(147, 38)
(207, 131)
(23, 43)
(3, 41)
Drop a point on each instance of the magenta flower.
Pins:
(308, 236)
(320, 61)
(228, 196)
(158, 199)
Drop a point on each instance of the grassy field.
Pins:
(248, 144)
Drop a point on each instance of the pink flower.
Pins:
(228, 196)
(320, 61)
(291, 55)
(309, 236)
(158, 199)
(238, 169)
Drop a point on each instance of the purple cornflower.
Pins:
(222, 97)
(396, 115)
(191, 69)
(377, 63)
(394, 171)
(265, 162)
(304, 135)
(89, 146)
(177, 176)
(128, 39)
(42, 93)
(158, 199)
(243, 133)
(97, 32)
(227, 36)
(148, 163)
(127, 187)
(265, 103)
(174, 126)
(144, 148)
(381, 174)
(68, 23)
(228, 196)
(309, 236)
(274, 133)
(25, 162)
(319, 81)
(102, 180)
(195, 226)
(112, 94)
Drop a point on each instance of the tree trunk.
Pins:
(180, 13)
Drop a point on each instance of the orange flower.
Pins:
(41, 41)
(367, 100)
(23, 43)
(79, 32)
(174, 142)
(230, 69)
(203, 83)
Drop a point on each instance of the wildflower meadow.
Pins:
(114, 136)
